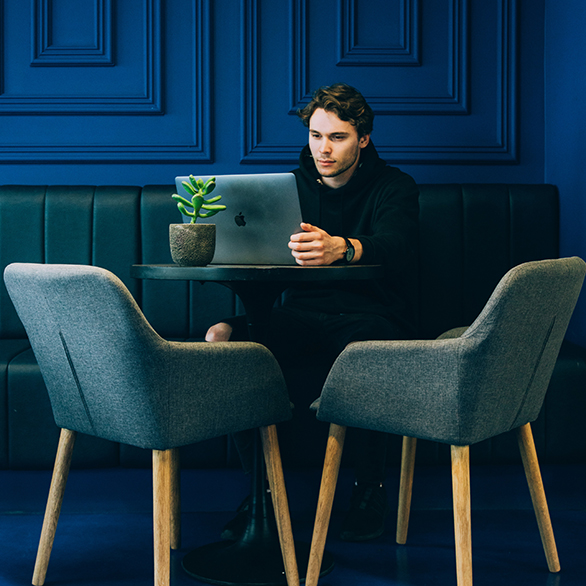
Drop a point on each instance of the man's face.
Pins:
(335, 147)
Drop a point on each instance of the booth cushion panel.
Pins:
(165, 304)
(9, 350)
(68, 224)
(534, 221)
(32, 434)
(22, 234)
(441, 263)
(116, 242)
(562, 416)
(470, 236)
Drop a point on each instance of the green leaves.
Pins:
(197, 189)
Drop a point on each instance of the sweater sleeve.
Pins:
(390, 236)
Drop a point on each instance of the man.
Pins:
(356, 209)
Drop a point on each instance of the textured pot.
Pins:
(192, 245)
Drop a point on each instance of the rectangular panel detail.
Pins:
(71, 94)
(48, 113)
(400, 32)
(71, 33)
(407, 52)
(441, 126)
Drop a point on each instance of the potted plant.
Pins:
(194, 244)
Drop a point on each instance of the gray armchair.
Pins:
(469, 385)
(110, 375)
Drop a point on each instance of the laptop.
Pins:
(262, 211)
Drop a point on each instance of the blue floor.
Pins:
(105, 533)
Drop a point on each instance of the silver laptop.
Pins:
(262, 211)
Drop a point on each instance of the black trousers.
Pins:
(297, 337)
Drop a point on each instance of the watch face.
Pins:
(349, 253)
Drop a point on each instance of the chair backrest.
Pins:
(509, 352)
(109, 374)
(471, 384)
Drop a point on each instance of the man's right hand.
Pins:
(315, 246)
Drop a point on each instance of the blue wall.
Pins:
(127, 92)
(138, 92)
(565, 130)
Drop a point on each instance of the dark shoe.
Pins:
(234, 529)
(368, 510)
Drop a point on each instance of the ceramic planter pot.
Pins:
(192, 245)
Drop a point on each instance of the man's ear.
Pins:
(364, 140)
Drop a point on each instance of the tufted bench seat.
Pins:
(470, 235)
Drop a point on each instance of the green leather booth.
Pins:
(470, 235)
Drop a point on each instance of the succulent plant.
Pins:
(197, 189)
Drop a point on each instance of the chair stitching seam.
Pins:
(77, 383)
(537, 363)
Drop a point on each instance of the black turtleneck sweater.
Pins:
(379, 207)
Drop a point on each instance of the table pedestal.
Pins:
(247, 564)
(255, 559)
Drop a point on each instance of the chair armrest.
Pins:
(394, 386)
(232, 385)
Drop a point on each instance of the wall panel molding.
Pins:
(123, 110)
(252, 149)
(456, 102)
(505, 147)
(46, 53)
(147, 100)
(404, 52)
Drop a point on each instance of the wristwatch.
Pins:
(350, 251)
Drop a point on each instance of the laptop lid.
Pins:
(262, 211)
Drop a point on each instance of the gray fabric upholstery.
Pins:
(472, 383)
(109, 374)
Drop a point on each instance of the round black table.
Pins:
(255, 559)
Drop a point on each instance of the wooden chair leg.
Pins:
(462, 523)
(533, 474)
(162, 516)
(175, 499)
(327, 490)
(405, 487)
(272, 457)
(54, 502)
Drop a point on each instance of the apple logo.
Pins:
(239, 219)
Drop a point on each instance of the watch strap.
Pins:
(349, 246)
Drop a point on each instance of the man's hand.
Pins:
(315, 246)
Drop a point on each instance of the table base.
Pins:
(246, 564)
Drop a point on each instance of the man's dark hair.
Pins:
(346, 102)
